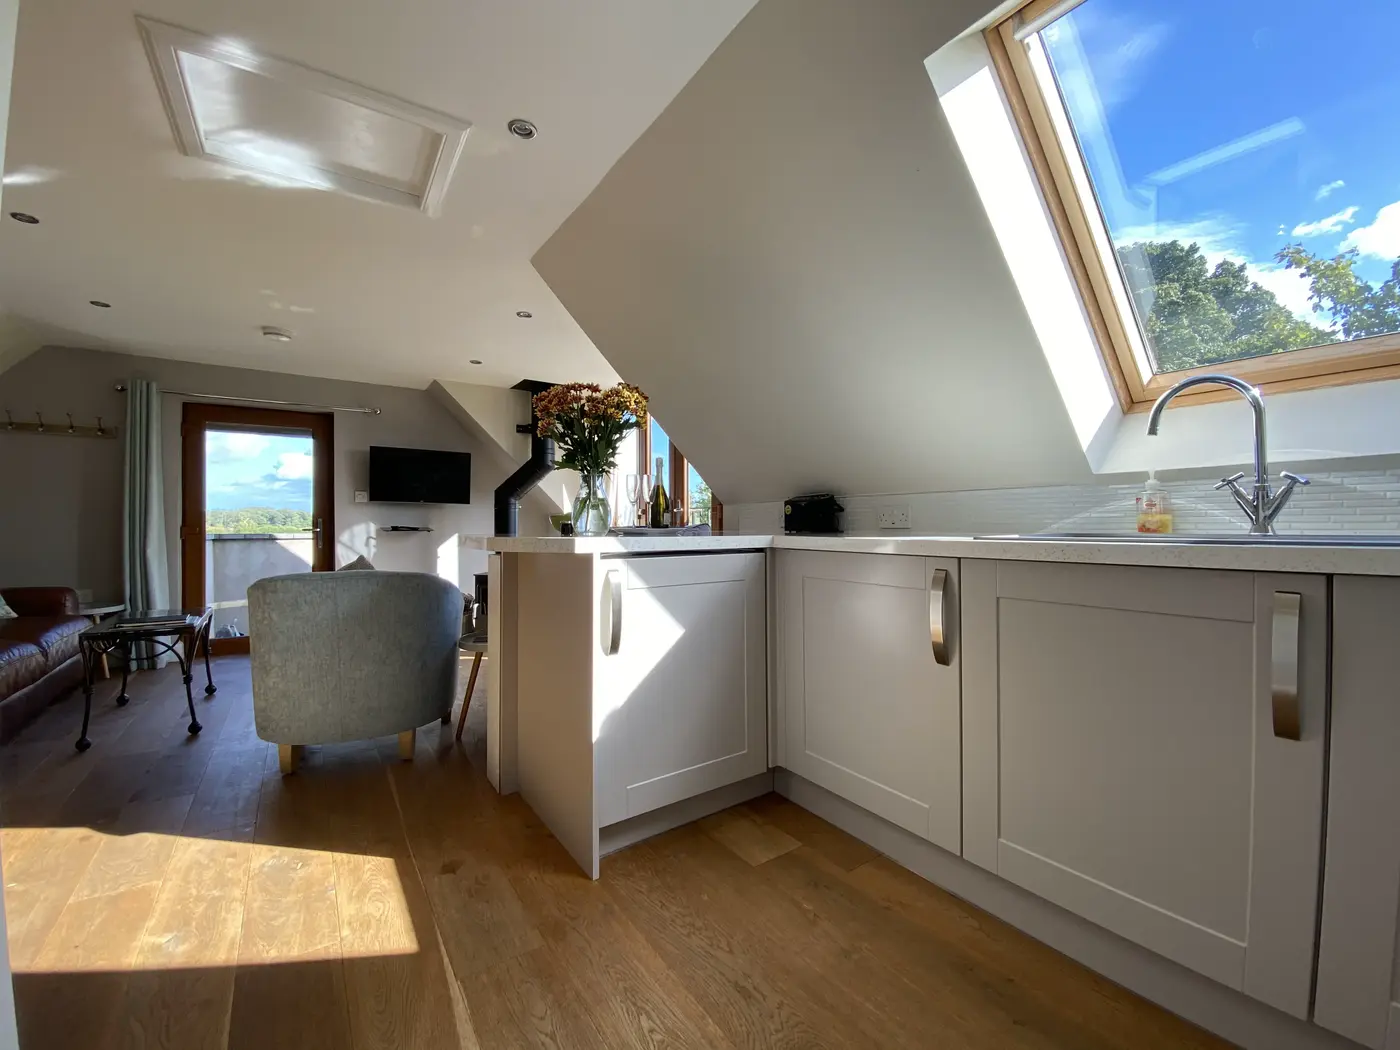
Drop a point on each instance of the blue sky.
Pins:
(1242, 125)
(243, 469)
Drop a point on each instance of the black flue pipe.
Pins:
(531, 473)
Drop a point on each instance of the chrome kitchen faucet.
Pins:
(1261, 505)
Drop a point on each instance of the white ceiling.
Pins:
(195, 256)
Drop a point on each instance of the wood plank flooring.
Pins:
(168, 891)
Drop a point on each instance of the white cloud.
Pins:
(222, 445)
(1121, 46)
(1323, 192)
(1290, 288)
(1330, 224)
(293, 466)
(1380, 239)
(1216, 236)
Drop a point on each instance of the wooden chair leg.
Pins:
(467, 698)
(288, 757)
(407, 740)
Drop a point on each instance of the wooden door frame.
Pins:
(678, 488)
(196, 418)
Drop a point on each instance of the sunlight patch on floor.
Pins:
(82, 900)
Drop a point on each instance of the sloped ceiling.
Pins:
(792, 261)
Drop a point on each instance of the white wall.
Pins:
(794, 264)
(61, 518)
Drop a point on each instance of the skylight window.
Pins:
(1222, 208)
(290, 125)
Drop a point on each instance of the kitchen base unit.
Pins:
(631, 692)
(1145, 747)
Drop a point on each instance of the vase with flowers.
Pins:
(588, 424)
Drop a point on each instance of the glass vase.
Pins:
(592, 510)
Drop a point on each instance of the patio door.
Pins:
(256, 500)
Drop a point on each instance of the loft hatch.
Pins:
(295, 125)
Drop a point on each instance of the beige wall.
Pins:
(794, 263)
(61, 502)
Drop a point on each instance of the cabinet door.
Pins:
(1121, 757)
(1358, 969)
(681, 707)
(868, 711)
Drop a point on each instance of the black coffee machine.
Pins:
(814, 514)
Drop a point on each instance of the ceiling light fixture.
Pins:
(24, 217)
(277, 335)
(99, 304)
(473, 361)
(522, 129)
(523, 313)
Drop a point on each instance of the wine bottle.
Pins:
(660, 504)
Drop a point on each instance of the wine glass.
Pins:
(648, 488)
(634, 494)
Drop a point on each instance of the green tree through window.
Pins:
(1192, 314)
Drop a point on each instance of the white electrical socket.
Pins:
(361, 497)
(894, 516)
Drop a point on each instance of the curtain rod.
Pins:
(121, 387)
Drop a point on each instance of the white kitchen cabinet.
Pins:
(680, 693)
(1122, 756)
(1358, 971)
(868, 710)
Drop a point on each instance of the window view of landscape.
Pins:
(701, 499)
(257, 514)
(1252, 200)
(257, 482)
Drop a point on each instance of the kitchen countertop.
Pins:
(1267, 556)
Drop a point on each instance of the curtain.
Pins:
(144, 565)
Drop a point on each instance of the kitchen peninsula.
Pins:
(1121, 746)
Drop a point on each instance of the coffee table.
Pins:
(168, 630)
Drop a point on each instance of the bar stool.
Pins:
(475, 644)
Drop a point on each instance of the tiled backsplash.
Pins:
(1353, 501)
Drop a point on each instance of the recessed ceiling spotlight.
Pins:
(523, 313)
(99, 304)
(277, 335)
(473, 361)
(24, 217)
(522, 129)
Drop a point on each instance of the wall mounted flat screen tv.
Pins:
(419, 475)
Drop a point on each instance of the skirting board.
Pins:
(1213, 1006)
(643, 826)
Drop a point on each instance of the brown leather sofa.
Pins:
(39, 659)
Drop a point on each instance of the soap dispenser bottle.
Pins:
(1154, 512)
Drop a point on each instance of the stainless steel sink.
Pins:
(1238, 539)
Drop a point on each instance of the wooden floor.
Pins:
(167, 891)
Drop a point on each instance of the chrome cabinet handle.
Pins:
(1284, 665)
(938, 616)
(610, 614)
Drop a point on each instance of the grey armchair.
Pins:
(350, 656)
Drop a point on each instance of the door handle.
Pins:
(610, 614)
(938, 616)
(320, 530)
(1283, 675)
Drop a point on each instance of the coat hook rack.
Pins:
(72, 430)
